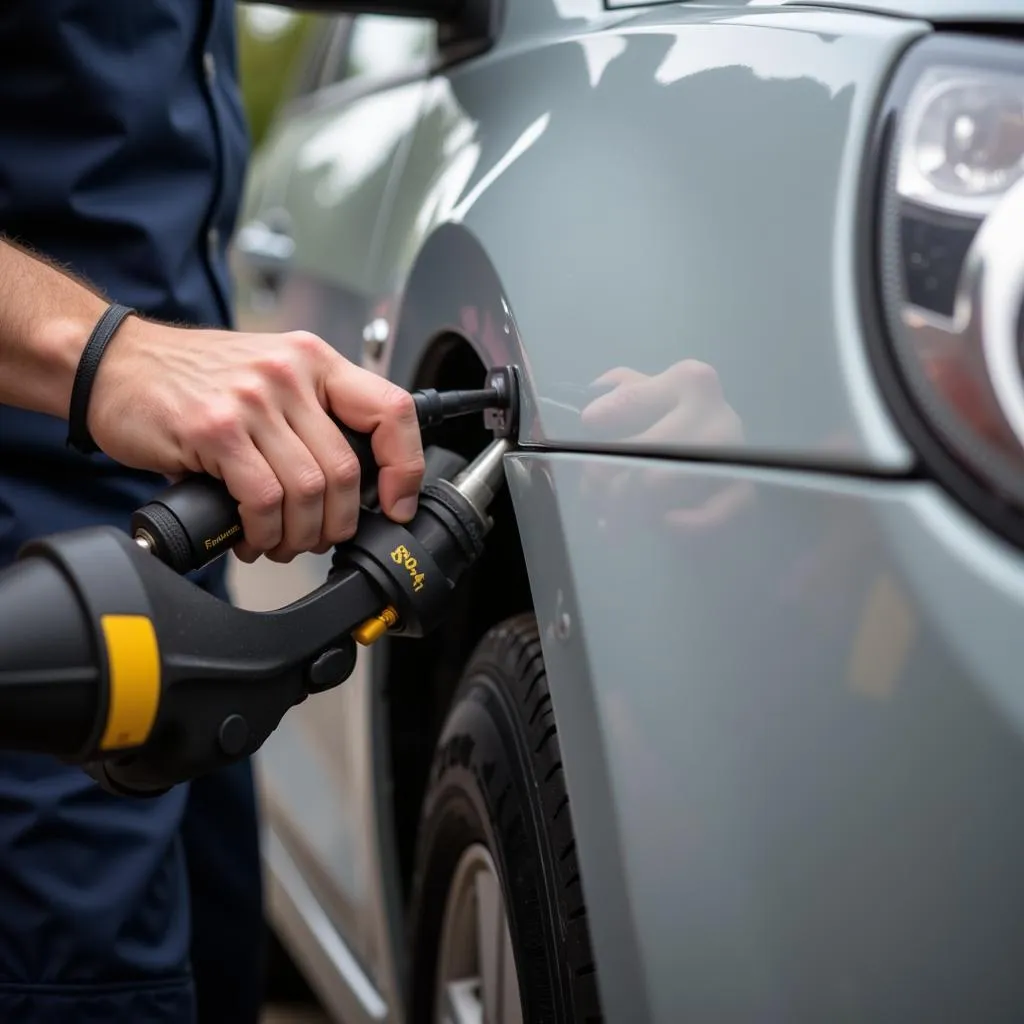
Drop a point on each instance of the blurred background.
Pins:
(270, 42)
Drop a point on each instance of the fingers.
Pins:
(340, 468)
(255, 413)
(256, 488)
(245, 552)
(303, 483)
(373, 405)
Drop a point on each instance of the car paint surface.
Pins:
(815, 769)
(938, 11)
(604, 270)
(783, 750)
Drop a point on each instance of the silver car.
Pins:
(726, 725)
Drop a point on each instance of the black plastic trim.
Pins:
(937, 459)
(472, 33)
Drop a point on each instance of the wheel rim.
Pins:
(476, 972)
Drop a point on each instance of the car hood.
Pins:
(932, 10)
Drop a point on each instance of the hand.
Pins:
(252, 410)
(682, 406)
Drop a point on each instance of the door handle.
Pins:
(267, 250)
(265, 246)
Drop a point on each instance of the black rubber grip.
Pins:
(197, 520)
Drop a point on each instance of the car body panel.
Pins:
(597, 256)
(530, 18)
(816, 776)
(937, 11)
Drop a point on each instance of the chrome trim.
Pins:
(375, 337)
(288, 877)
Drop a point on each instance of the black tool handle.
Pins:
(196, 520)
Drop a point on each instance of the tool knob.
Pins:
(196, 520)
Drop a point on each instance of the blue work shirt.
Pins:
(123, 145)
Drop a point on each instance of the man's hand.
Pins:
(252, 410)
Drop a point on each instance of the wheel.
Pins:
(498, 926)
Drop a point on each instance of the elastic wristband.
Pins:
(106, 327)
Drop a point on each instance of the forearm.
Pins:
(46, 317)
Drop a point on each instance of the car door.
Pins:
(304, 259)
(304, 249)
(264, 243)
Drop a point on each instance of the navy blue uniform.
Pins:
(122, 153)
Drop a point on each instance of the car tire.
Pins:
(496, 819)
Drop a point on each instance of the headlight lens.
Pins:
(964, 144)
(951, 250)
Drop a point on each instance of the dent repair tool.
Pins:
(196, 520)
(111, 660)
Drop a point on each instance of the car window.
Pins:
(315, 58)
(380, 45)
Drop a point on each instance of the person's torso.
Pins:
(123, 145)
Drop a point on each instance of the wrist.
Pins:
(60, 341)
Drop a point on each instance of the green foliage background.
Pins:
(266, 67)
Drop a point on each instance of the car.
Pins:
(726, 725)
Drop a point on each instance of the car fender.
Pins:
(453, 288)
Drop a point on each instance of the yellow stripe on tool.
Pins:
(134, 659)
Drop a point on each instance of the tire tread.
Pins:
(515, 646)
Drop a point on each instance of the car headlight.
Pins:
(947, 249)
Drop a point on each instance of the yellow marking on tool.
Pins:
(403, 556)
(374, 628)
(133, 655)
(212, 542)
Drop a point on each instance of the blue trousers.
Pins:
(144, 911)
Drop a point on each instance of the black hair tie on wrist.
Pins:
(106, 327)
